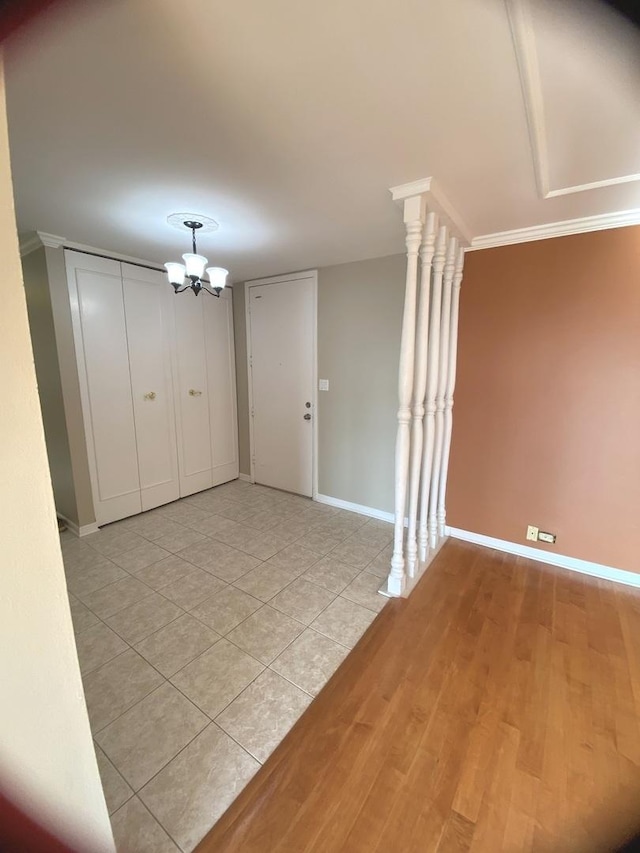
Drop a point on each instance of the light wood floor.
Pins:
(494, 710)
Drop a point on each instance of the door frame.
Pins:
(311, 275)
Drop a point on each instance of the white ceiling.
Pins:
(287, 121)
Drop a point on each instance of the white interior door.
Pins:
(281, 336)
(145, 299)
(221, 382)
(191, 393)
(100, 335)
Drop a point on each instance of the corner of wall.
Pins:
(70, 383)
(242, 378)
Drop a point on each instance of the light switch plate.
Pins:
(323, 385)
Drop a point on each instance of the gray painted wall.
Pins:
(58, 288)
(242, 379)
(359, 323)
(45, 283)
(45, 354)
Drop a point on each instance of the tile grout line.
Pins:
(227, 584)
(323, 518)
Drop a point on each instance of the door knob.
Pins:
(194, 393)
(307, 417)
(150, 395)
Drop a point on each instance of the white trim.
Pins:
(524, 43)
(277, 279)
(593, 185)
(107, 253)
(573, 564)
(314, 393)
(53, 241)
(246, 478)
(50, 240)
(359, 508)
(437, 202)
(39, 239)
(618, 219)
(84, 530)
(28, 245)
(247, 342)
(519, 15)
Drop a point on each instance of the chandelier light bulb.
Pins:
(176, 273)
(217, 277)
(195, 264)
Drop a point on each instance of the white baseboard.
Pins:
(84, 530)
(359, 508)
(246, 478)
(584, 567)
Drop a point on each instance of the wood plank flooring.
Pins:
(494, 710)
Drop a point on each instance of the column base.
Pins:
(401, 588)
(393, 587)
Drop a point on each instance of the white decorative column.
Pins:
(432, 386)
(443, 358)
(451, 383)
(419, 389)
(414, 211)
(425, 390)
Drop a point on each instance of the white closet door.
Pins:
(97, 308)
(146, 310)
(191, 393)
(221, 377)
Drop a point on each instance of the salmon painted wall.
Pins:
(547, 403)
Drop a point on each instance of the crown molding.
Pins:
(437, 202)
(39, 239)
(29, 244)
(524, 43)
(107, 253)
(51, 240)
(619, 219)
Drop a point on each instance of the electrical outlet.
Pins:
(532, 533)
(323, 385)
(546, 537)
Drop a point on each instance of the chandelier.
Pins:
(190, 273)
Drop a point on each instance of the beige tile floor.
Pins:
(204, 629)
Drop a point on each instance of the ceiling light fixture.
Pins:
(193, 268)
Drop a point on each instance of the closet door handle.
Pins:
(150, 395)
(194, 393)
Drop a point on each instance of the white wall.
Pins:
(47, 763)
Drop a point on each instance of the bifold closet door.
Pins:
(100, 335)
(221, 382)
(148, 331)
(191, 393)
